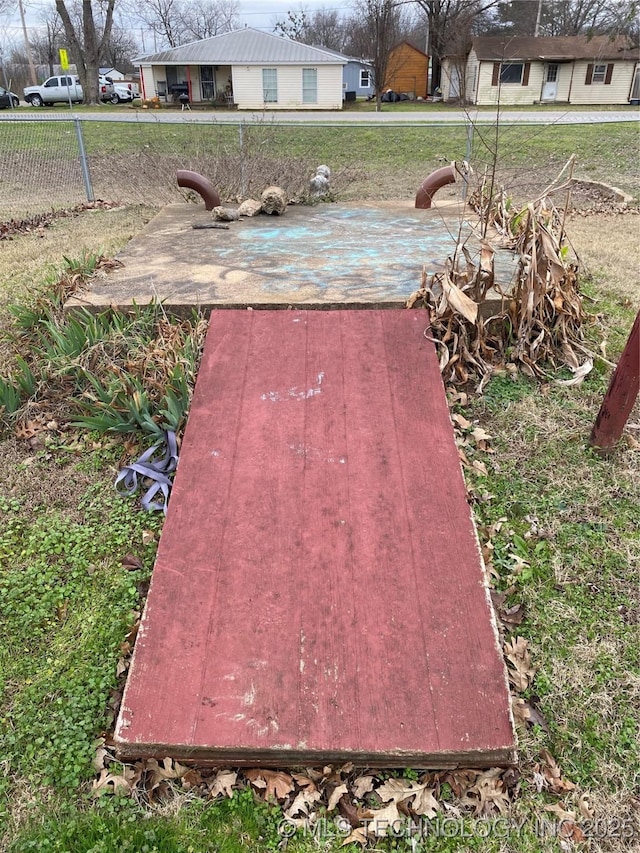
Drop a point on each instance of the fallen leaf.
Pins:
(303, 781)
(425, 803)
(361, 786)
(191, 779)
(553, 774)
(358, 836)
(559, 810)
(148, 537)
(382, 819)
(131, 562)
(585, 807)
(488, 793)
(520, 709)
(303, 800)
(462, 422)
(158, 772)
(276, 785)
(579, 374)
(350, 812)
(101, 755)
(521, 672)
(222, 784)
(480, 435)
(335, 796)
(109, 783)
(480, 467)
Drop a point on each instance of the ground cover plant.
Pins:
(560, 536)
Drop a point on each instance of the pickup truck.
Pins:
(61, 89)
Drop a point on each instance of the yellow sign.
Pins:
(64, 59)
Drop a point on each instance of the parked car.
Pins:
(8, 99)
(122, 94)
(65, 88)
(106, 89)
(55, 90)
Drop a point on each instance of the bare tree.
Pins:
(88, 43)
(295, 26)
(162, 17)
(120, 49)
(48, 38)
(203, 18)
(376, 28)
(563, 17)
(449, 21)
(324, 28)
(573, 17)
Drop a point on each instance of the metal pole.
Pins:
(83, 161)
(243, 180)
(467, 157)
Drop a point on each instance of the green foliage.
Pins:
(67, 604)
(110, 372)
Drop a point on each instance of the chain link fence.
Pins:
(132, 162)
(56, 162)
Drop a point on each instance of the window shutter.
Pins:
(496, 74)
(609, 74)
(589, 77)
(525, 74)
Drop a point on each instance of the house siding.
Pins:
(351, 79)
(615, 92)
(509, 93)
(247, 87)
(407, 71)
(571, 84)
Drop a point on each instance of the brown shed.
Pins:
(408, 70)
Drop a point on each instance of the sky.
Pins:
(261, 14)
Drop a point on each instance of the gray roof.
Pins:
(244, 47)
(344, 55)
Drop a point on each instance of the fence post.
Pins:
(86, 177)
(621, 395)
(243, 180)
(467, 157)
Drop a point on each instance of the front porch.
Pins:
(206, 85)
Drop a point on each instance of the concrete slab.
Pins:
(328, 255)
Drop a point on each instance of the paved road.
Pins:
(338, 118)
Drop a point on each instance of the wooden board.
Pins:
(318, 593)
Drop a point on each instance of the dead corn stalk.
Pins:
(541, 316)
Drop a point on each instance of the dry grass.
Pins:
(609, 247)
(27, 258)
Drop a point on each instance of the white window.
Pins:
(309, 86)
(599, 73)
(270, 85)
(365, 78)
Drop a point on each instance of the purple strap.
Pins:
(160, 470)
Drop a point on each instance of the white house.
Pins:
(247, 68)
(527, 70)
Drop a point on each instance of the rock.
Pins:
(319, 185)
(225, 214)
(325, 171)
(273, 200)
(249, 207)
